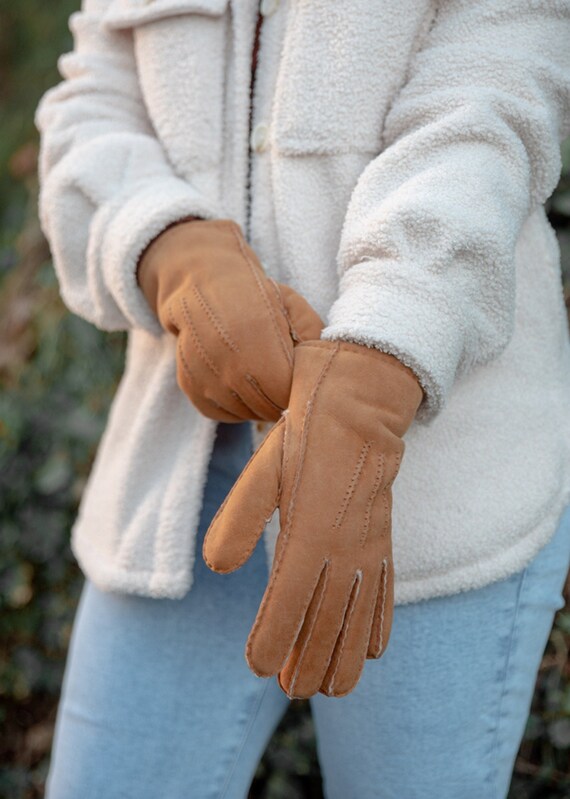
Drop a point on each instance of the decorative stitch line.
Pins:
(375, 488)
(199, 346)
(208, 310)
(263, 292)
(304, 436)
(349, 493)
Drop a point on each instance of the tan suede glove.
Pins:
(329, 465)
(236, 328)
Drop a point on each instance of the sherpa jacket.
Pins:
(398, 159)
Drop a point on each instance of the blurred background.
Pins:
(57, 377)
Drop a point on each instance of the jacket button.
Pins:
(259, 137)
(268, 7)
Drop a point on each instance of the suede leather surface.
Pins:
(328, 465)
(236, 328)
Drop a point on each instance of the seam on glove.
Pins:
(304, 435)
(199, 346)
(255, 385)
(284, 457)
(337, 652)
(217, 325)
(262, 609)
(292, 330)
(378, 644)
(344, 609)
(369, 505)
(310, 633)
(349, 493)
(265, 296)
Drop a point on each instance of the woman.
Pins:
(216, 179)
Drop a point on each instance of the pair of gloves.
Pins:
(249, 348)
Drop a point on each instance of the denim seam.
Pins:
(245, 736)
(493, 752)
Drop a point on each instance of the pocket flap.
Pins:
(131, 13)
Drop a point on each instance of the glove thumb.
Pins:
(241, 518)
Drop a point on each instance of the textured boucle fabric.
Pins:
(404, 154)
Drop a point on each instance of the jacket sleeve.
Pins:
(106, 186)
(472, 146)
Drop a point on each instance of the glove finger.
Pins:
(351, 647)
(281, 614)
(384, 612)
(304, 671)
(241, 519)
(304, 322)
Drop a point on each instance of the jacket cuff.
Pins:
(125, 229)
(406, 317)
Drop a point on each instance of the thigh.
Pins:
(158, 699)
(442, 713)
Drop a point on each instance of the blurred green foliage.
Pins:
(58, 375)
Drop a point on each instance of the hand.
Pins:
(328, 464)
(236, 328)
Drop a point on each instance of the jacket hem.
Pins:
(489, 570)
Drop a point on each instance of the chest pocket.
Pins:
(342, 65)
(181, 52)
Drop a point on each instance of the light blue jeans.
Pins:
(158, 701)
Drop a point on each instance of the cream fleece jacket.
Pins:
(400, 157)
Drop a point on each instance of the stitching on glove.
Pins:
(263, 292)
(326, 666)
(255, 385)
(218, 327)
(304, 435)
(355, 591)
(262, 609)
(292, 330)
(378, 643)
(384, 592)
(310, 633)
(386, 504)
(284, 455)
(375, 488)
(199, 346)
(349, 493)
